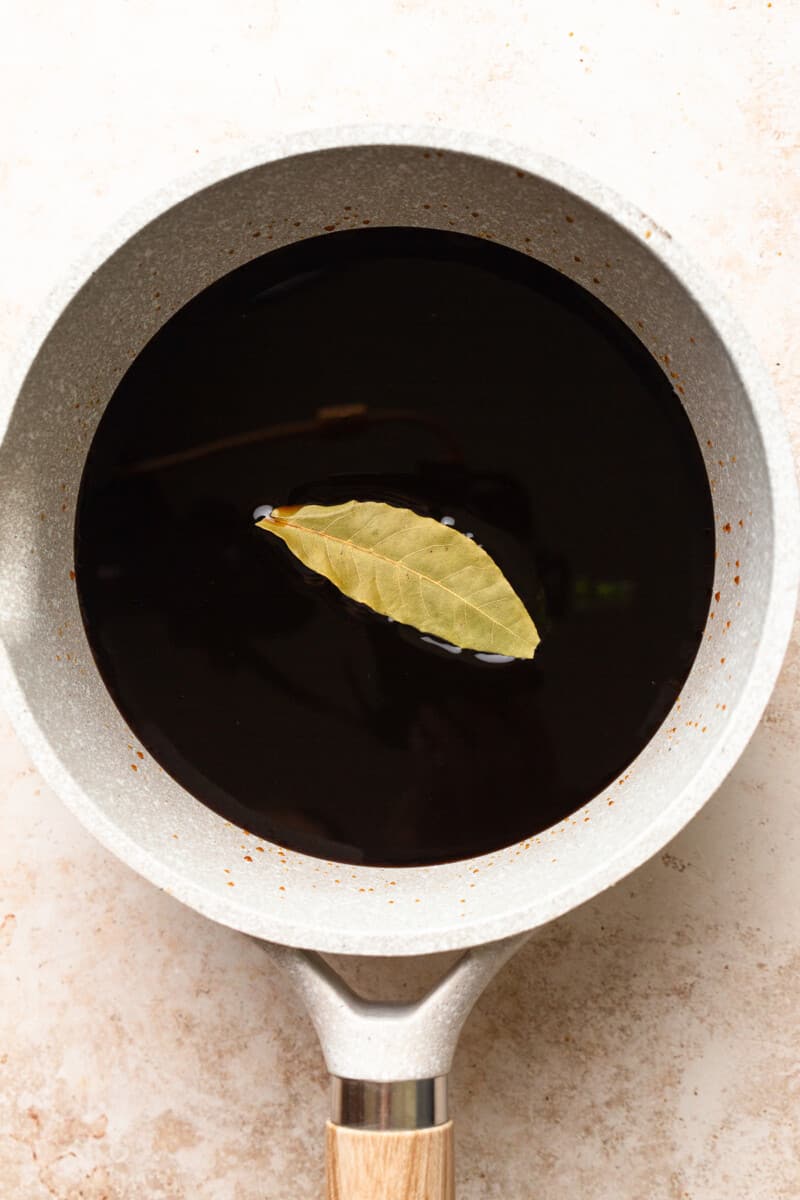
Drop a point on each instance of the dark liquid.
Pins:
(487, 388)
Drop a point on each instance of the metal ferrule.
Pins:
(403, 1104)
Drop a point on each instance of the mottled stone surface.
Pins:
(647, 1045)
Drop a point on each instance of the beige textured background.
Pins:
(646, 1046)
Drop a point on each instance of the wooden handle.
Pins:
(413, 1165)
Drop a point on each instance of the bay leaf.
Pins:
(412, 569)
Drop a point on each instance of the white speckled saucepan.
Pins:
(390, 1135)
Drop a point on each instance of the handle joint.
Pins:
(403, 1104)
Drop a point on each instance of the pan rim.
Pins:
(271, 924)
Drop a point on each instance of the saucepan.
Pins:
(389, 1134)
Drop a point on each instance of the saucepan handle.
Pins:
(363, 1164)
(389, 1141)
(390, 1136)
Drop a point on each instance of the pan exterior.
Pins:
(187, 237)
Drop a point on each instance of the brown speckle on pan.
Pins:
(231, 883)
(722, 660)
(737, 579)
(72, 575)
(260, 849)
(329, 228)
(134, 767)
(727, 527)
(569, 220)
(611, 804)
(248, 858)
(717, 596)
